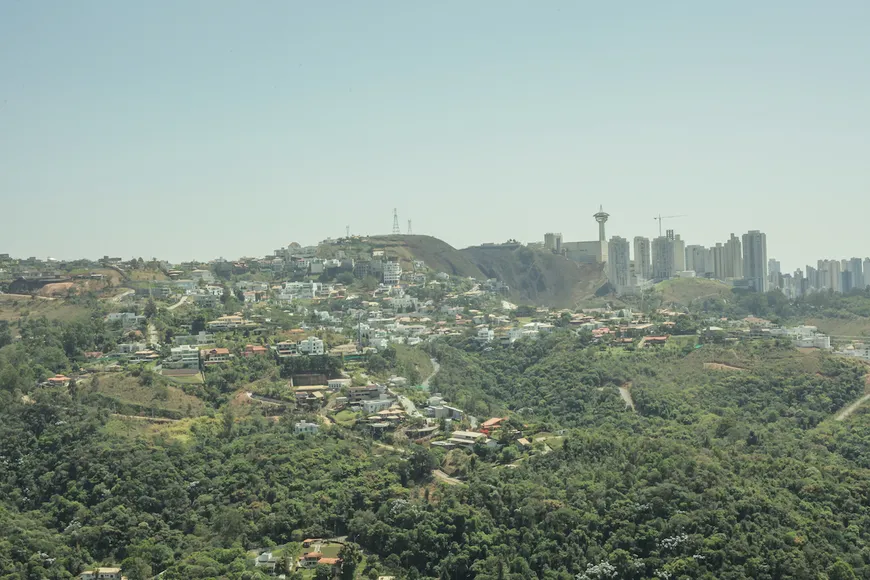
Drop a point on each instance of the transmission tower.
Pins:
(410, 231)
(396, 230)
(347, 230)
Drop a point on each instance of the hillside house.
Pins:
(311, 346)
(286, 349)
(306, 427)
(228, 322)
(214, 356)
(185, 356)
(254, 350)
(369, 392)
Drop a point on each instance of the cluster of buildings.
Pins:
(740, 261)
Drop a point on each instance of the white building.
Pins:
(679, 252)
(485, 334)
(127, 319)
(182, 357)
(392, 272)
(311, 346)
(642, 258)
(375, 405)
(306, 428)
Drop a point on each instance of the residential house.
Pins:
(215, 355)
(201, 339)
(266, 561)
(130, 347)
(485, 334)
(651, 341)
(228, 322)
(127, 319)
(205, 300)
(254, 350)
(369, 392)
(185, 356)
(371, 406)
(58, 381)
(311, 346)
(310, 559)
(337, 384)
(467, 438)
(144, 356)
(286, 349)
(204, 275)
(306, 428)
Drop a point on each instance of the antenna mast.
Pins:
(396, 230)
(410, 231)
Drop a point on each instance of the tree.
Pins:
(345, 278)
(840, 570)
(322, 572)
(351, 556)
(136, 568)
(197, 325)
(150, 309)
(5, 333)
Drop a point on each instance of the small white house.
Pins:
(306, 428)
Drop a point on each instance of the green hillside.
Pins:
(683, 291)
(539, 277)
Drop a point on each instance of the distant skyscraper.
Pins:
(642, 259)
(845, 281)
(734, 256)
(679, 254)
(866, 269)
(663, 258)
(773, 266)
(856, 267)
(718, 253)
(696, 259)
(619, 264)
(755, 260)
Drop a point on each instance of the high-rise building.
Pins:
(619, 264)
(829, 275)
(734, 256)
(812, 278)
(866, 270)
(642, 259)
(663, 258)
(846, 281)
(773, 266)
(755, 260)
(856, 267)
(718, 252)
(679, 254)
(696, 259)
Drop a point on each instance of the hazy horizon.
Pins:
(207, 129)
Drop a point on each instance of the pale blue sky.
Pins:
(211, 128)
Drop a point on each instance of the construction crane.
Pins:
(666, 217)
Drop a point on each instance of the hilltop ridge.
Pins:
(534, 276)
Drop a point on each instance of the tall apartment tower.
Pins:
(755, 260)
(734, 256)
(679, 252)
(642, 258)
(696, 259)
(663, 258)
(619, 264)
(856, 267)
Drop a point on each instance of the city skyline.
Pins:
(224, 129)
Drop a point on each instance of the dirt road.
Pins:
(625, 393)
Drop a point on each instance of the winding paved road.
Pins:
(179, 303)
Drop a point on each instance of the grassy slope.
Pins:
(540, 277)
(437, 254)
(13, 307)
(855, 326)
(128, 390)
(682, 291)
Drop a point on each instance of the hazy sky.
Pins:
(211, 128)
